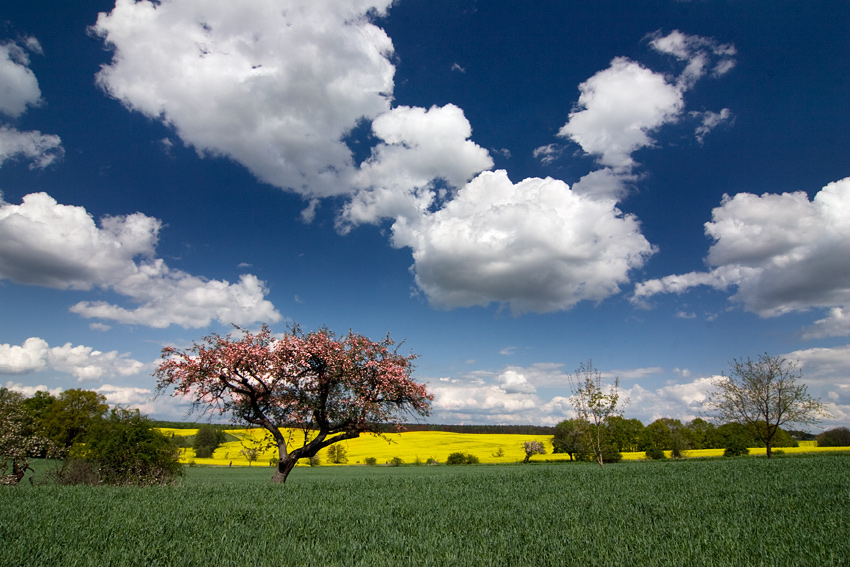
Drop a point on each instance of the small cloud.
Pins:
(298, 299)
(507, 351)
(504, 152)
(683, 372)
(243, 265)
(99, 326)
(549, 153)
(513, 382)
(457, 67)
(710, 120)
(684, 315)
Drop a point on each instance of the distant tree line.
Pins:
(494, 429)
(630, 435)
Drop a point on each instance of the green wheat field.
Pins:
(793, 510)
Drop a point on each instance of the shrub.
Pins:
(315, 461)
(838, 437)
(396, 462)
(736, 447)
(610, 454)
(125, 449)
(371, 461)
(655, 453)
(459, 458)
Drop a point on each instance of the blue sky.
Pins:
(511, 188)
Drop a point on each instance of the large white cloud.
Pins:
(782, 253)
(46, 243)
(19, 91)
(620, 108)
(418, 146)
(535, 246)
(83, 362)
(273, 85)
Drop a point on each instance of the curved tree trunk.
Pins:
(284, 467)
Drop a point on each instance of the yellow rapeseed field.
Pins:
(421, 446)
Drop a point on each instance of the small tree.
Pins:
(594, 404)
(337, 454)
(327, 389)
(533, 448)
(571, 437)
(207, 440)
(67, 420)
(251, 454)
(763, 395)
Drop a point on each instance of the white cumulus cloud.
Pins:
(46, 243)
(83, 362)
(19, 91)
(535, 246)
(273, 85)
(781, 252)
(418, 147)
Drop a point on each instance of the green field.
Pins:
(793, 510)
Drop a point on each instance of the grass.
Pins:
(792, 510)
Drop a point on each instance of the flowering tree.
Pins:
(533, 448)
(328, 389)
(19, 438)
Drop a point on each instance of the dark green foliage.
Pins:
(736, 448)
(838, 437)
(371, 461)
(655, 453)
(610, 454)
(572, 437)
(124, 449)
(460, 458)
(67, 420)
(624, 434)
(396, 462)
(207, 440)
(700, 513)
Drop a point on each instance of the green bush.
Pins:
(371, 461)
(459, 458)
(610, 454)
(396, 462)
(207, 440)
(838, 437)
(736, 447)
(655, 453)
(123, 449)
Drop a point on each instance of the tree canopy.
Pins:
(328, 388)
(763, 395)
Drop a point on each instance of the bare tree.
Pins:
(594, 403)
(763, 395)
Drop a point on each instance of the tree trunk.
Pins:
(284, 467)
(769, 451)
